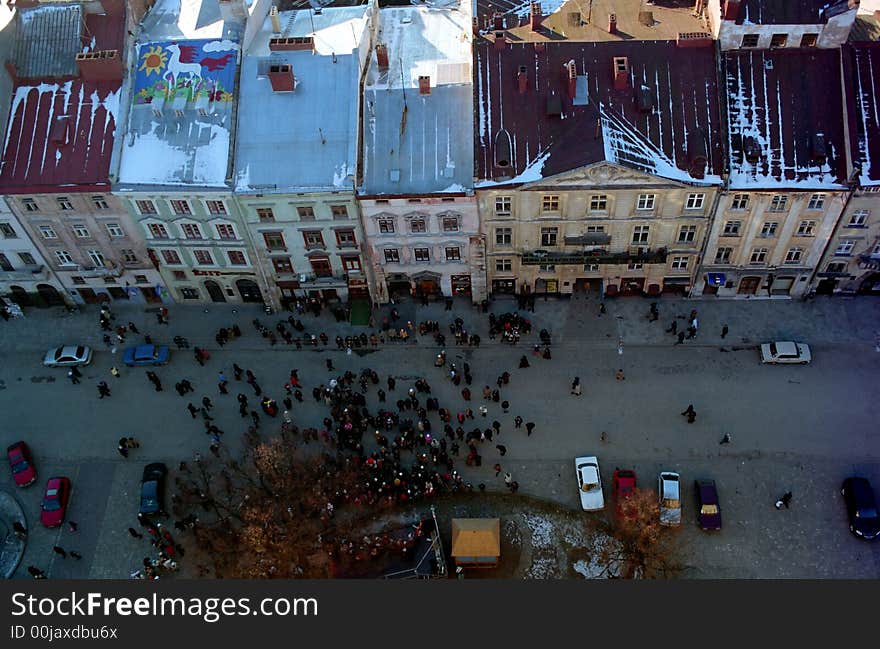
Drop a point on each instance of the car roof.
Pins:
(144, 349)
(587, 459)
(671, 488)
(54, 483)
(155, 467)
(861, 488)
(786, 348)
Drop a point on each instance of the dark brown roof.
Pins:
(785, 127)
(789, 12)
(675, 133)
(865, 62)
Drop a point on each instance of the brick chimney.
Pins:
(424, 85)
(620, 71)
(535, 16)
(612, 23)
(281, 78)
(731, 9)
(382, 56)
(522, 80)
(104, 65)
(572, 78)
(500, 40)
(498, 20)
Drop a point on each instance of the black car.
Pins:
(708, 505)
(153, 489)
(861, 507)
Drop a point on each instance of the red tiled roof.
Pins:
(864, 102)
(678, 123)
(785, 127)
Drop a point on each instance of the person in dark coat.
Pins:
(523, 362)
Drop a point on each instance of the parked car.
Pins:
(786, 352)
(68, 356)
(145, 355)
(669, 488)
(623, 482)
(589, 483)
(21, 463)
(861, 506)
(153, 489)
(708, 506)
(54, 505)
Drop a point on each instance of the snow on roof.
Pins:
(785, 128)
(305, 140)
(867, 115)
(416, 143)
(173, 19)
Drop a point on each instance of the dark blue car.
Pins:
(145, 355)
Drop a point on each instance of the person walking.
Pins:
(103, 389)
(76, 555)
(192, 409)
(726, 439)
(505, 406)
(59, 551)
(36, 573)
(134, 533)
(724, 331)
(620, 376)
(530, 427)
(576, 386)
(502, 449)
(73, 378)
(517, 422)
(508, 479)
(206, 402)
(497, 468)
(72, 526)
(673, 327)
(237, 371)
(785, 501)
(680, 338)
(19, 530)
(329, 363)
(689, 410)
(114, 371)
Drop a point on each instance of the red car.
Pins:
(55, 499)
(623, 481)
(23, 471)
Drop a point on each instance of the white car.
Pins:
(68, 356)
(669, 488)
(589, 483)
(785, 352)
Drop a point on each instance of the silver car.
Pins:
(68, 356)
(669, 488)
(786, 352)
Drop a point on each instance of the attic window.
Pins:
(750, 40)
(621, 64)
(779, 40)
(809, 40)
(59, 130)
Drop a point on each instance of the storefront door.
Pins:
(214, 291)
(749, 285)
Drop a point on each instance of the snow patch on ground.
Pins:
(542, 568)
(542, 530)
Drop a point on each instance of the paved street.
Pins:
(793, 428)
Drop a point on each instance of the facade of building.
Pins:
(788, 180)
(175, 167)
(599, 154)
(60, 139)
(296, 154)
(759, 24)
(417, 198)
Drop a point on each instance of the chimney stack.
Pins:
(498, 20)
(612, 23)
(276, 21)
(424, 85)
(281, 78)
(572, 78)
(522, 80)
(104, 65)
(620, 71)
(382, 56)
(500, 40)
(731, 10)
(535, 16)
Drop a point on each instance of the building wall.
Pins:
(438, 268)
(297, 269)
(575, 217)
(747, 278)
(185, 277)
(91, 243)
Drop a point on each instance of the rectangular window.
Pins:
(769, 228)
(274, 240)
(171, 257)
(141, 279)
(806, 229)
(97, 258)
(548, 236)
(750, 40)
(351, 263)
(722, 255)
(595, 228)
(265, 214)
(809, 40)
(502, 205)
(695, 201)
(740, 202)
(646, 201)
(778, 40)
(109, 280)
(306, 213)
(836, 267)
(417, 226)
(680, 263)
(313, 239)
(191, 230)
(100, 203)
(282, 264)
(145, 207)
(547, 268)
(778, 203)
(114, 230)
(414, 200)
(78, 280)
(453, 254)
(731, 228)
(687, 233)
(448, 200)
(591, 268)
(392, 255)
(793, 256)
(503, 265)
(128, 256)
(63, 257)
(64, 203)
(845, 248)
(81, 232)
(339, 211)
(640, 233)
(48, 232)
(188, 293)
(8, 231)
(450, 224)
(157, 231)
(816, 202)
(422, 254)
(386, 226)
(598, 203)
(29, 205)
(550, 203)
(225, 231)
(759, 256)
(179, 275)
(321, 267)
(216, 207)
(859, 218)
(503, 236)
(203, 257)
(180, 207)
(382, 201)
(236, 258)
(27, 259)
(346, 239)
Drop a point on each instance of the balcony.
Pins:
(589, 239)
(539, 257)
(30, 272)
(868, 261)
(314, 280)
